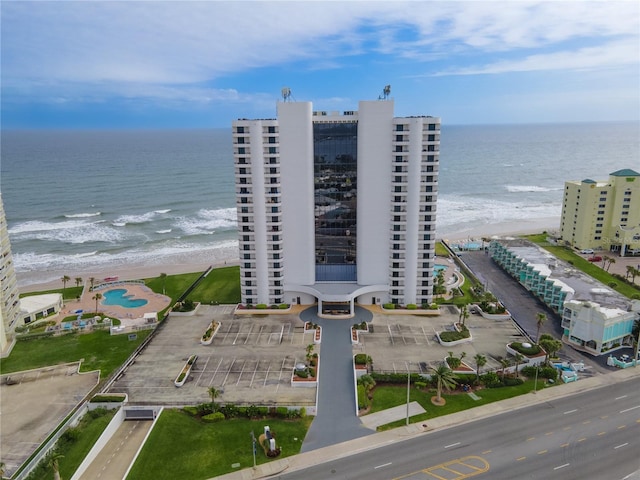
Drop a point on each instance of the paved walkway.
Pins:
(374, 420)
(336, 420)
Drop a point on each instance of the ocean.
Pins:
(82, 201)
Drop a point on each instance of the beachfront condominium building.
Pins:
(603, 214)
(9, 297)
(336, 208)
(595, 319)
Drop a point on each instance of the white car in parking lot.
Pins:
(587, 251)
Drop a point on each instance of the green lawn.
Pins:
(181, 446)
(173, 285)
(568, 255)
(387, 396)
(75, 444)
(100, 350)
(222, 285)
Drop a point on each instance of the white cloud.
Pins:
(171, 49)
(614, 54)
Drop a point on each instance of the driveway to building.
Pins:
(336, 420)
(524, 307)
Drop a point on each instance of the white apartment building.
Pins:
(603, 214)
(9, 296)
(336, 208)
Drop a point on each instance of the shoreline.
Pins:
(35, 281)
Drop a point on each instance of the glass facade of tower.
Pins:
(335, 196)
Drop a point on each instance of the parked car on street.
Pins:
(587, 251)
(595, 258)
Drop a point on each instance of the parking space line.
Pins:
(426, 337)
(391, 334)
(241, 372)
(215, 372)
(228, 372)
(266, 377)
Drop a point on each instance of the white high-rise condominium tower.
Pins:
(9, 295)
(337, 208)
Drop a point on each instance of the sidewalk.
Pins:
(345, 449)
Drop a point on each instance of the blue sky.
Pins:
(153, 64)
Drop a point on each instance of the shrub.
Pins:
(363, 399)
(421, 385)
(180, 377)
(512, 382)
(302, 373)
(283, 306)
(261, 306)
(529, 351)
(312, 372)
(454, 362)
(612, 284)
(490, 380)
(214, 417)
(107, 398)
(362, 359)
(412, 306)
(282, 412)
(453, 336)
(302, 413)
(544, 371)
(193, 411)
(389, 306)
(395, 377)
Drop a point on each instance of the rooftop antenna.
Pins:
(286, 94)
(386, 91)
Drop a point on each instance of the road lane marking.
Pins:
(620, 446)
(452, 445)
(531, 438)
(472, 465)
(542, 452)
(586, 421)
(520, 459)
(620, 398)
(621, 427)
(486, 451)
(564, 445)
(582, 439)
(548, 433)
(570, 411)
(601, 433)
(566, 428)
(629, 409)
(604, 416)
(561, 466)
(383, 465)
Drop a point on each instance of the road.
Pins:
(593, 435)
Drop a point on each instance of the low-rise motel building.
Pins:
(603, 215)
(595, 319)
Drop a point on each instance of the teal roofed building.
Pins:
(595, 319)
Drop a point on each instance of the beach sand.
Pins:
(220, 257)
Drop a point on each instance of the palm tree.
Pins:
(53, 460)
(550, 345)
(540, 319)
(464, 313)
(605, 259)
(519, 358)
(2, 469)
(92, 281)
(163, 277)
(78, 281)
(504, 363)
(213, 393)
(445, 378)
(309, 350)
(481, 361)
(611, 260)
(97, 297)
(65, 279)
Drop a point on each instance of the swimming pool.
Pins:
(118, 297)
(439, 267)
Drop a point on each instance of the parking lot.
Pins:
(252, 357)
(251, 360)
(399, 342)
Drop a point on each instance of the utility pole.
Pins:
(535, 384)
(408, 386)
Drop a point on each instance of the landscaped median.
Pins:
(183, 376)
(210, 332)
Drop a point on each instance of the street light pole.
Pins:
(253, 441)
(535, 383)
(408, 387)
